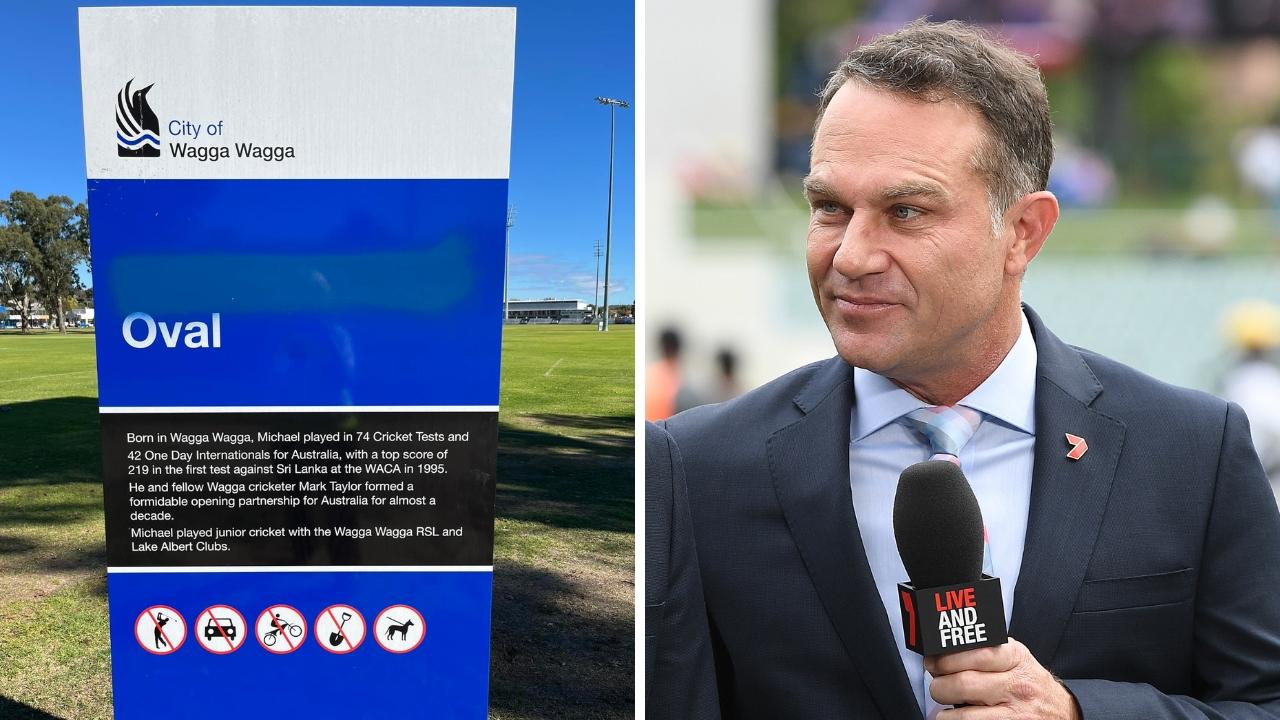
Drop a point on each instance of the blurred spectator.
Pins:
(1079, 176)
(1210, 225)
(662, 381)
(665, 392)
(1253, 382)
(1258, 158)
(727, 386)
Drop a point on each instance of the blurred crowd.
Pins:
(1159, 99)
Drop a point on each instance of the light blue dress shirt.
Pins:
(997, 461)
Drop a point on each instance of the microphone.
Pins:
(949, 605)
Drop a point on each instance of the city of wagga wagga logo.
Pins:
(194, 135)
(137, 127)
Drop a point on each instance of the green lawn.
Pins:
(780, 221)
(564, 574)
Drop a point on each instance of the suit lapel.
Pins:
(1068, 497)
(809, 462)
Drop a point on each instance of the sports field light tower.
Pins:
(595, 299)
(613, 104)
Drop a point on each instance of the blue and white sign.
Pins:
(298, 219)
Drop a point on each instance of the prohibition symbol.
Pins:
(399, 629)
(220, 629)
(280, 629)
(340, 629)
(160, 630)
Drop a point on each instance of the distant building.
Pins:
(549, 311)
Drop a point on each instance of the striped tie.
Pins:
(947, 428)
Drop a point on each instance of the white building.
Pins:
(548, 311)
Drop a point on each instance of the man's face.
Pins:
(902, 259)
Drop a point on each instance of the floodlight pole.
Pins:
(595, 299)
(613, 104)
(506, 265)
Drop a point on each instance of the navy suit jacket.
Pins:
(679, 675)
(1150, 578)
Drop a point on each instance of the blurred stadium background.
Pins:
(1167, 123)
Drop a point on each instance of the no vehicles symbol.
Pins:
(399, 629)
(340, 629)
(280, 629)
(220, 629)
(160, 630)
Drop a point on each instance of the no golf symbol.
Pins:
(340, 629)
(160, 630)
(220, 629)
(400, 629)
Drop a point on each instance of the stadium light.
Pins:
(595, 299)
(613, 104)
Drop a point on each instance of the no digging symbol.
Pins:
(280, 629)
(340, 629)
(220, 629)
(160, 630)
(399, 629)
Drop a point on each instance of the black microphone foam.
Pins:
(937, 524)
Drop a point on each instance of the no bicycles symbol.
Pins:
(220, 629)
(280, 629)
(160, 630)
(340, 629)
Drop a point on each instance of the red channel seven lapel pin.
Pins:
(1078, 446)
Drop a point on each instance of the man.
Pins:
(1128, 520)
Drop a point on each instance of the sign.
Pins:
(400, 629)
(340, 629)
(160, 630)
(220, 629)
(281, 629)
(298, 220)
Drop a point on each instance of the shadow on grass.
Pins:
(50, 442)
(13, 710)
(621, 423)
(57, 513)
(50, 445)
(98, 585)
(567, 481)
(10, 544)
(555, 654)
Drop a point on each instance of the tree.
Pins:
(40, 246)
(17, 273)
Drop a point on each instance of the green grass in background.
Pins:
(780, 222)
(563, 614)
(52, 557)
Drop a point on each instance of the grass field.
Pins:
(779, 222)
(564, 575)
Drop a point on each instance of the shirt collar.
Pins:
(1008, 394)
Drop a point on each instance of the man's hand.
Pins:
(1004, 681)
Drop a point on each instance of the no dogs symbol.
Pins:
(399, 629)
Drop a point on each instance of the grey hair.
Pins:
(931, 62)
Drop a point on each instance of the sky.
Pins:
(568, 52)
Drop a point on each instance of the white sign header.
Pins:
(297, 92)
